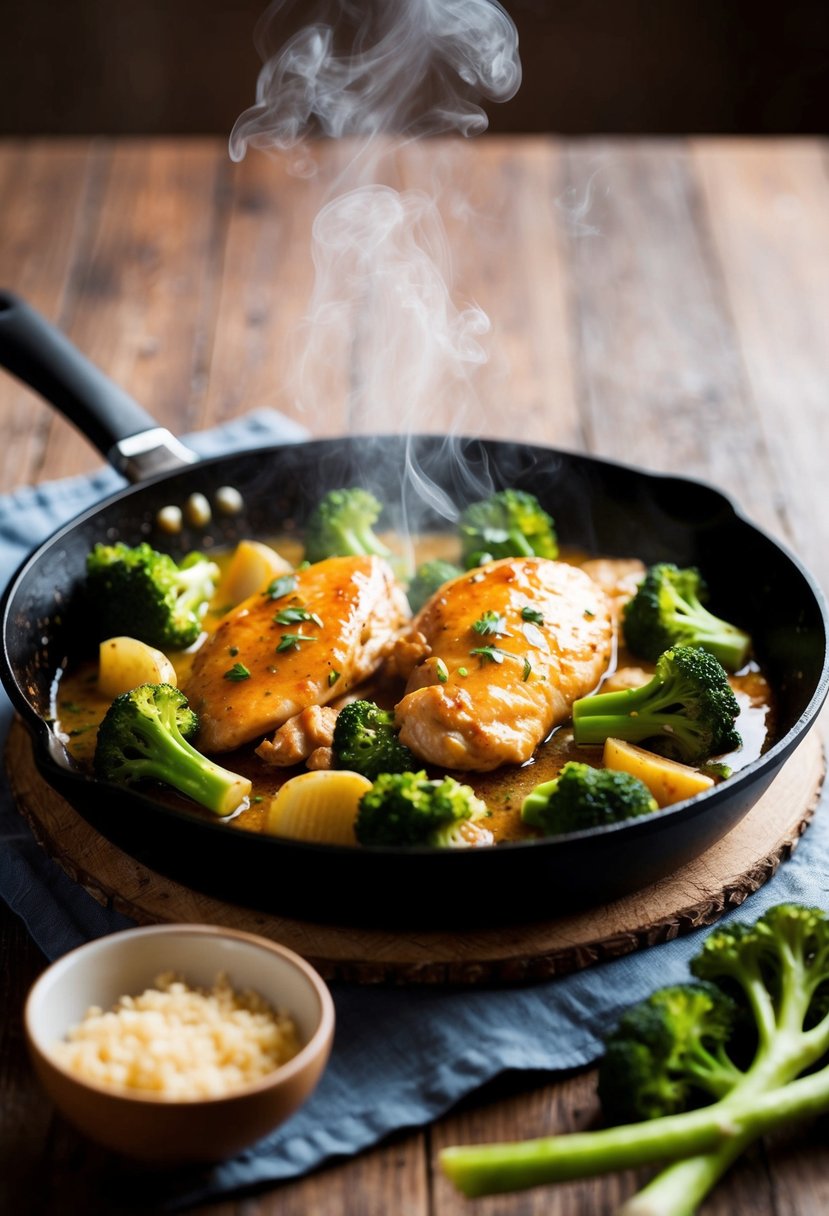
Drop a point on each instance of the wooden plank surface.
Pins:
(662, 303)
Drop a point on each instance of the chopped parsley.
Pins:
(281, 586)
(490, 654)
(237, 672)
(292, 616)
(292, 641)
(490, 624)
(532, 615)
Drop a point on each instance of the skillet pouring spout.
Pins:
(599, 506)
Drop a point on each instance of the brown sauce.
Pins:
(79, 707)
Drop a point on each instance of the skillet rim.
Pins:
(688, 809)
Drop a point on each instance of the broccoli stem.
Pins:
(595, 728)
(681, 1188)
(731, 649)
(631, 714)
(725, 641)
(363, 540)
(785, 1051)
(521, 547)
(178, 764)
(715, 1134)
(490, 1169)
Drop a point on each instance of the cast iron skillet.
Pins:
(603, 507)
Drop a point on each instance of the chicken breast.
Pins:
(329, 627)
(507, 649)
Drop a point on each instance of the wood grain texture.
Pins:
(140, 300)
(660, 303)
(770, 226)
(697, 894)
(662, 380)
(37, 256)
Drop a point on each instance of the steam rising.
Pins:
(383, 274)
(382, 322)
(413, 67)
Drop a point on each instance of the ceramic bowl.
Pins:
(149, 1127)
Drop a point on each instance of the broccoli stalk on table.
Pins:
(687, 711)
(667, 610)
(511, 523)
(669, 1054)
(585, 797)
(145, 594)
(365, 741)
(428, 580)
(145, 737)
(754, 1037)
(342, 525)
(409, 809)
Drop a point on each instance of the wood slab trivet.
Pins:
(696, 895)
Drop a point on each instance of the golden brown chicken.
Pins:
(306, 642)
(504, 651)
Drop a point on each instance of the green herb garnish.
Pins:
(490, 624)
(333, 676)
(281, 586)
(442, 671)
(292, 616)
(237, 672)
(490, 654)
(292, 641)
(532, 615)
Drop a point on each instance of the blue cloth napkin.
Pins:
(401, 1058)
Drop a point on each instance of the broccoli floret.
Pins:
(679, 1048)
(144, 737)
(668, 1054)
(145, 594)
(585, 797)
(409, 809)
(687, 711)
(429, 578)
(365, 741)
(511, 523)
(342, 524)
(667, 610)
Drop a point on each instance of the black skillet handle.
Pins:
(41, 356)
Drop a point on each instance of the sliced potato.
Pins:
(318, 806)
(124, 663)
(251, 568)
(667, 780)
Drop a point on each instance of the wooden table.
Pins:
(661, 303)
